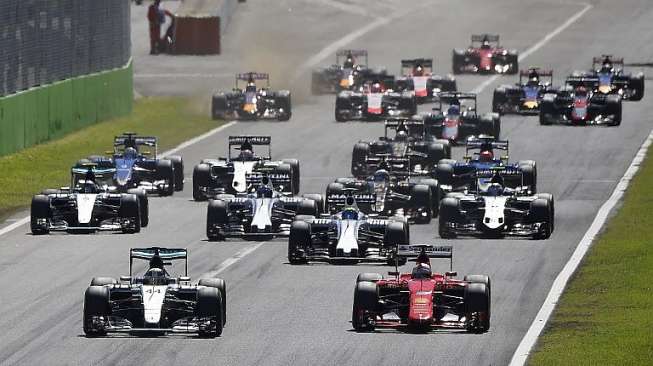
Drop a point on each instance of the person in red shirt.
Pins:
(155, 20)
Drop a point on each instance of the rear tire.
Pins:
(294, 174)
(420, 198)
(178, 168)
(201, 177)
(143, 204)
(448, 214)
(101, 281)
(130, 209)
(217, 213)
(396, 233)
(358, 159)
(368, 277)
(540, 211)
(165, 171)
(219, 106)
(299, 239)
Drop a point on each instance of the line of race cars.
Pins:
(405, 177)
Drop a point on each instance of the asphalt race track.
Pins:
(281, 314)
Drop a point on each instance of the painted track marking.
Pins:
(528, 342)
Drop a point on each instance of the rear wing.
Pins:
(597, 62)
(432, 251)
(130, 139)
(252, 77)
(339, 200)
(397, 166)
(340, 54)
(484, 141)
(253, 140)
(157, 253)
(541, 73)
(586, 81)
(257, 179)
(494, 38)
(450, 97)
(414, 127)
(407, 66)
(387, 81)
(503, 171)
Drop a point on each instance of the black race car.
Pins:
(345, 74)
(524, 97)
(608, 77)
(578, 104)
(374, 100)
(252, 103)
(417, 76)
(455, 118)
(409, 141)
(237, 172)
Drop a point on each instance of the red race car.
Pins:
(485, 56)
(422, 300)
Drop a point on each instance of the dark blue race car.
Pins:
(457, 176)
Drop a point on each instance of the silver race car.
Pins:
(155, 303)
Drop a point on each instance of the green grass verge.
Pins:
(605, 316)
(172, 120)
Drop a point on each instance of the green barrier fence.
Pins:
(40, 114)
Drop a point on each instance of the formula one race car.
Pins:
(374, 100)
(485, 56)
(608, 77)
(410, 141)
(263, 213)
(137, 165)
(233, 174)
(577, 104)
(480, 155)
(455, 118)
(422, 300)
(89, 206)
(252, 103)
(524, 97)
(418, 77)
(496, 211)
(349, 236)
(345, 74)
(155, 303)
(395, 195)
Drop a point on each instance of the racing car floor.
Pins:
(280, 314)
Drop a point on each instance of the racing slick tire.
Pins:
(613, 108)
(101, 281)
(547, 109)
(396, 233)
(294, 174)
(217, 213)
(342, 102)
(540, 211)
(221, 285)
(447, 147)
(358, 159)
(178, 168)
(490, 124)
(368, 277)
(40, 209)
(165, 171)
(219, 106)
(96, 303)
(498, 100)
(449, 213)
(434, 186)
(334, 188)
(435, 153)
(143, 204)
(513, 61)
(366, 300)
(477, 307)
(421, 199)
(529, 172)
(299, 239)
(549, 197)
(318, 198)
(308, 207)
(201, 177)
(130, 209)
(444, 171)
(637, 84)
(286, 169)
(282, 99)
(210, 305)
(458, 61)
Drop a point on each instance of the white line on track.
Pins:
(539, 44)
(231, 260)
(526, 345)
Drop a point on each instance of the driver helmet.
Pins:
(454, 110)
(422, 270)
(349, 62)
(486, 156)
(130, 153)
(495, 189)
(381, 175)
(89, 187)
(402, 134)
(533, 78)
(246, 155)
(264, 192)
(376, 88)
(419, 70)
(486, 44)
(350, 214)
(606, 67)
(155, 277)
(250, 88)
